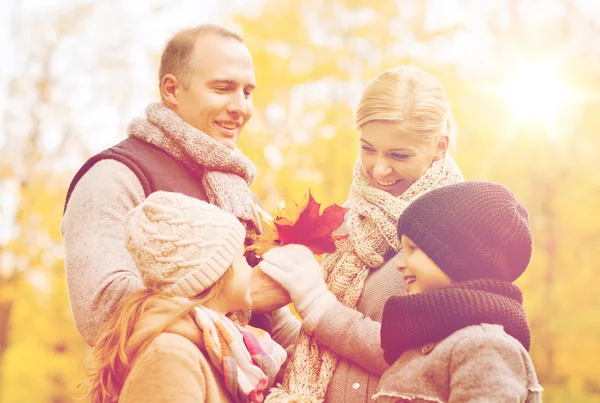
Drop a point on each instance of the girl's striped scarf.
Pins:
(372, 227)
(247, 357)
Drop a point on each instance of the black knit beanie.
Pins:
(471, 230)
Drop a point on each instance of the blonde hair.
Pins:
(177, 55)
(111, 363)
(411, 97)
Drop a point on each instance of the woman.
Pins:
(172, 341)
(406, 127)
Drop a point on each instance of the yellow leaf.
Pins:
(268, 238)
(290, 211)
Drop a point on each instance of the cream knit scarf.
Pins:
(372, 227)
(226, 175)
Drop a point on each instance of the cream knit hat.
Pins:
(182, 245)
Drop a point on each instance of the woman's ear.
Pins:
(442, 147)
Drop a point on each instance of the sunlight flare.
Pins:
(536, 92)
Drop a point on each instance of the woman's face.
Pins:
(395, 159)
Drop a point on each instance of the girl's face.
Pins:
(395, 159)
(239, 296)
(421, 274)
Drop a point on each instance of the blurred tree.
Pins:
(73, 85)
(38, 342)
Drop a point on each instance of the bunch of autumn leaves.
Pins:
(301, 224)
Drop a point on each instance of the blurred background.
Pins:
(523, 77)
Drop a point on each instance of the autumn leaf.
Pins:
(300, 223)
(269, 237)
(289, 213)
(312, 229)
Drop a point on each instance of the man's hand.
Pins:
(297, 270)
(267, 294)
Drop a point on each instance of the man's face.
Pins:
(218, 98)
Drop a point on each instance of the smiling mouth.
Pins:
(386, 184)
(228, 125)
(409, 280)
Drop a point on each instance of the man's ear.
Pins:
(169, 87)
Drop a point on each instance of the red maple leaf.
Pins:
(312, 229)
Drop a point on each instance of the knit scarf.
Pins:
(247, 357)
(413, 320)
(372, 227)
(225, 174)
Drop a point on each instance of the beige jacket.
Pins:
(99, 269)
(173, 368)
(479, 363)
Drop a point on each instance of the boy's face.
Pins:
(420, 273)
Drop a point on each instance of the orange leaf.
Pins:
(312, 229)
(269, 237)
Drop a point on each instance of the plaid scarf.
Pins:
(247, 357)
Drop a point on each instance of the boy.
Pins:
(461, 334)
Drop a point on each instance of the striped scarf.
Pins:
(372, 231)
(247, 357)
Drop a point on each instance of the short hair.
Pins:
(411, 97)
(177, 55)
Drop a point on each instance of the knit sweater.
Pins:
(354, 334)
(99, 269)
(478, 363)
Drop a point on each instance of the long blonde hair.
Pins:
(111, 363)
(411, 97)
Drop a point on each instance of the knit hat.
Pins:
(471, 230)
(182, 245)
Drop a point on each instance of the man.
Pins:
(185, 144)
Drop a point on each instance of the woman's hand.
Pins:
(297, 270)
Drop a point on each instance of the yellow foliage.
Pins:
(306, 54)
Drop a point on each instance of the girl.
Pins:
(460, 335)
(172, 341)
